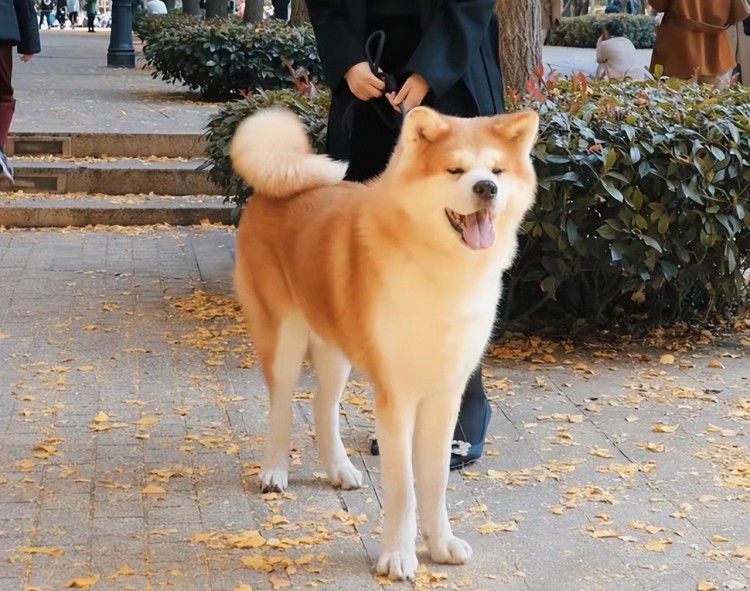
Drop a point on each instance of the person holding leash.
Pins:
(18, 27)
(384, 57)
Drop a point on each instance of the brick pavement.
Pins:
(131, 418)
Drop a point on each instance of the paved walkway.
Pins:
(132, 416)
(69, 88)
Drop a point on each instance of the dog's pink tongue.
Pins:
(479, 232)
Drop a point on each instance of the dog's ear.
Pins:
(423, 124)
(520, 128)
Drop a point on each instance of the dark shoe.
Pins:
(473, 453)
(467, 455)
(6, 170)
(465, 452)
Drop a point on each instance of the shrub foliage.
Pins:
(223, 59)
(583, 31)
(644, 189)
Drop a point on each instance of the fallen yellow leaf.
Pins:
(56, 552)
(659, 428)
(657, 545)
(82, 582)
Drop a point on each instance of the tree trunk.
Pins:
(520, 40)
(299, 13)
(191, 7)
(253, 11)
(216, 9)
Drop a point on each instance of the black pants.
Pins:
(7, 101)
(281, 9)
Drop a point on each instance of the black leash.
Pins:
(391, 85)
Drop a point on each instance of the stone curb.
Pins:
(79, 213)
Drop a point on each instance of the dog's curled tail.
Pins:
(271, 152)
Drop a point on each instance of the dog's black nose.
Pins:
(485, 189)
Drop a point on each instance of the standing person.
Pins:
(18, 28)
(692, 39)
(62, 9)
(74, 7)
(45, 10)
(441, 53)
(616, 54)
(91, 13)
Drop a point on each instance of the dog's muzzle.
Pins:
(476, 229)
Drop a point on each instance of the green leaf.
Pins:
(652, 242)
(612, 190)
(607, 232)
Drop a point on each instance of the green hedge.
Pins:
(221, 128)
(643, 194)
(224, 59)
(641, 209)
(583, 31)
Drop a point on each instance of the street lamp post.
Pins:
(121, 53)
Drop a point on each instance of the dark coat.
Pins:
(459, 45)
(18, 24)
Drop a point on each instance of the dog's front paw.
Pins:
(345, 475)
(450, 550)
(398, 566)
(274, 480)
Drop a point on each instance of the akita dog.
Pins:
(399, 277)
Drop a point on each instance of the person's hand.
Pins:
(26, 57)
(363, 83)
(411, 95)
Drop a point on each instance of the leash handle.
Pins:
(390, 81)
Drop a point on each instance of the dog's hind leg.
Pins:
(436, 419)
(394, 425)
(333, 370)
(281, 367)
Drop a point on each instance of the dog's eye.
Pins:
(457, 171)
(497, 171)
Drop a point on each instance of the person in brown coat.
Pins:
(692, 39)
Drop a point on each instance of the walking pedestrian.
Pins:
(45, 10)
(18, 28)
(443, 54)
(91, 12)
(74, 7)
(61, 13)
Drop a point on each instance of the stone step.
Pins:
(161, 176)
(24, 210)
(135, 145)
